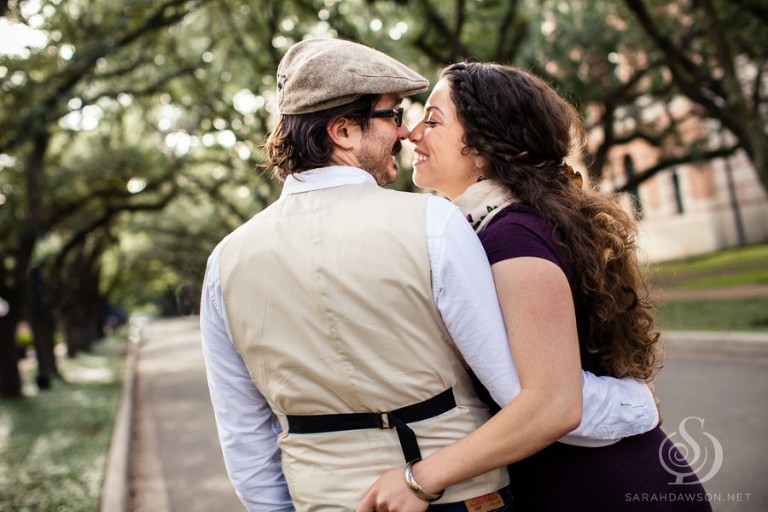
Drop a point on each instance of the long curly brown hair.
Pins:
(525, 129)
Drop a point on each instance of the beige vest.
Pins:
(328, 296)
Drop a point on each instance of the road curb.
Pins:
(115, 495)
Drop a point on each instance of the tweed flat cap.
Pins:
(317, 74)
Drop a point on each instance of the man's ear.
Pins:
(343, 133)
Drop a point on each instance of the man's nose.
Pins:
(403, 132)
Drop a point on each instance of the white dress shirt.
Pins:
(464, 293)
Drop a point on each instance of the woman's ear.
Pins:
(343, 133)
(481, 165)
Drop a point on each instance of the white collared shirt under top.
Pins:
(463, 290)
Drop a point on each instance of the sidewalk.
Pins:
(175, 459)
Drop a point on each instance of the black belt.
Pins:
(396, 419)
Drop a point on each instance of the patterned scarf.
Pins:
(482, 200)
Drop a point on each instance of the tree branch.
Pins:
(109, 213)
(450, 37)
(160, 19)
(81, 66)
(756, 7)
(147, 90)
(511, 34)
(108, 193)
(682, 68)
(666, 163)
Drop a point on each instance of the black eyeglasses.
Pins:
(397, 113)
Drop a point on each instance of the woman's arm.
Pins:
(465, 294)
(538, 310)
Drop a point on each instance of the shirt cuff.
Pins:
(630, 410)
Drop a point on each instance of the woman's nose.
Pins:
(415, 133)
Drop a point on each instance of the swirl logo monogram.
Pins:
(688, 458)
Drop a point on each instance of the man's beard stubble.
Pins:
(378, 162)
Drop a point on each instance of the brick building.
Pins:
(692, 209)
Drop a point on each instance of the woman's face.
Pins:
(438, 162)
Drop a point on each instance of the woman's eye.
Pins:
(429, 122)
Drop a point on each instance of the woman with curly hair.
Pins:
(494, 140)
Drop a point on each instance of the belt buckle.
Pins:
(384, 420)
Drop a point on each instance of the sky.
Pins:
(15, 38)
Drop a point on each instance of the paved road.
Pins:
(727, 391)
(177, 464)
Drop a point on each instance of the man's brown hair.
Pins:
(301, 142)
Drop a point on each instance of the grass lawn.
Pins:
(714, 315)
(733, 267)
(54, 443)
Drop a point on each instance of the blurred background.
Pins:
(130, 131)
(130, 143)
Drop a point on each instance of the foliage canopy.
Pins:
(130, 132)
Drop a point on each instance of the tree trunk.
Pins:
(14, 286)
(13, 289)
(84, 311)
(760, 157)
(76, 330)
(742, 112)
(731, 106)
(10, 379)
(43, 323)
(83, 323)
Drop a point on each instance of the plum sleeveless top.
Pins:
(615, 478)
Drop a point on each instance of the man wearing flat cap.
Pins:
(338, 323)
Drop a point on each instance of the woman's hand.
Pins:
(390, 494)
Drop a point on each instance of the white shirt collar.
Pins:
(325, 177)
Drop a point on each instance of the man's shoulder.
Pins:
(382, 198)
(242, 229)
(402, 194)
(432, 201)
